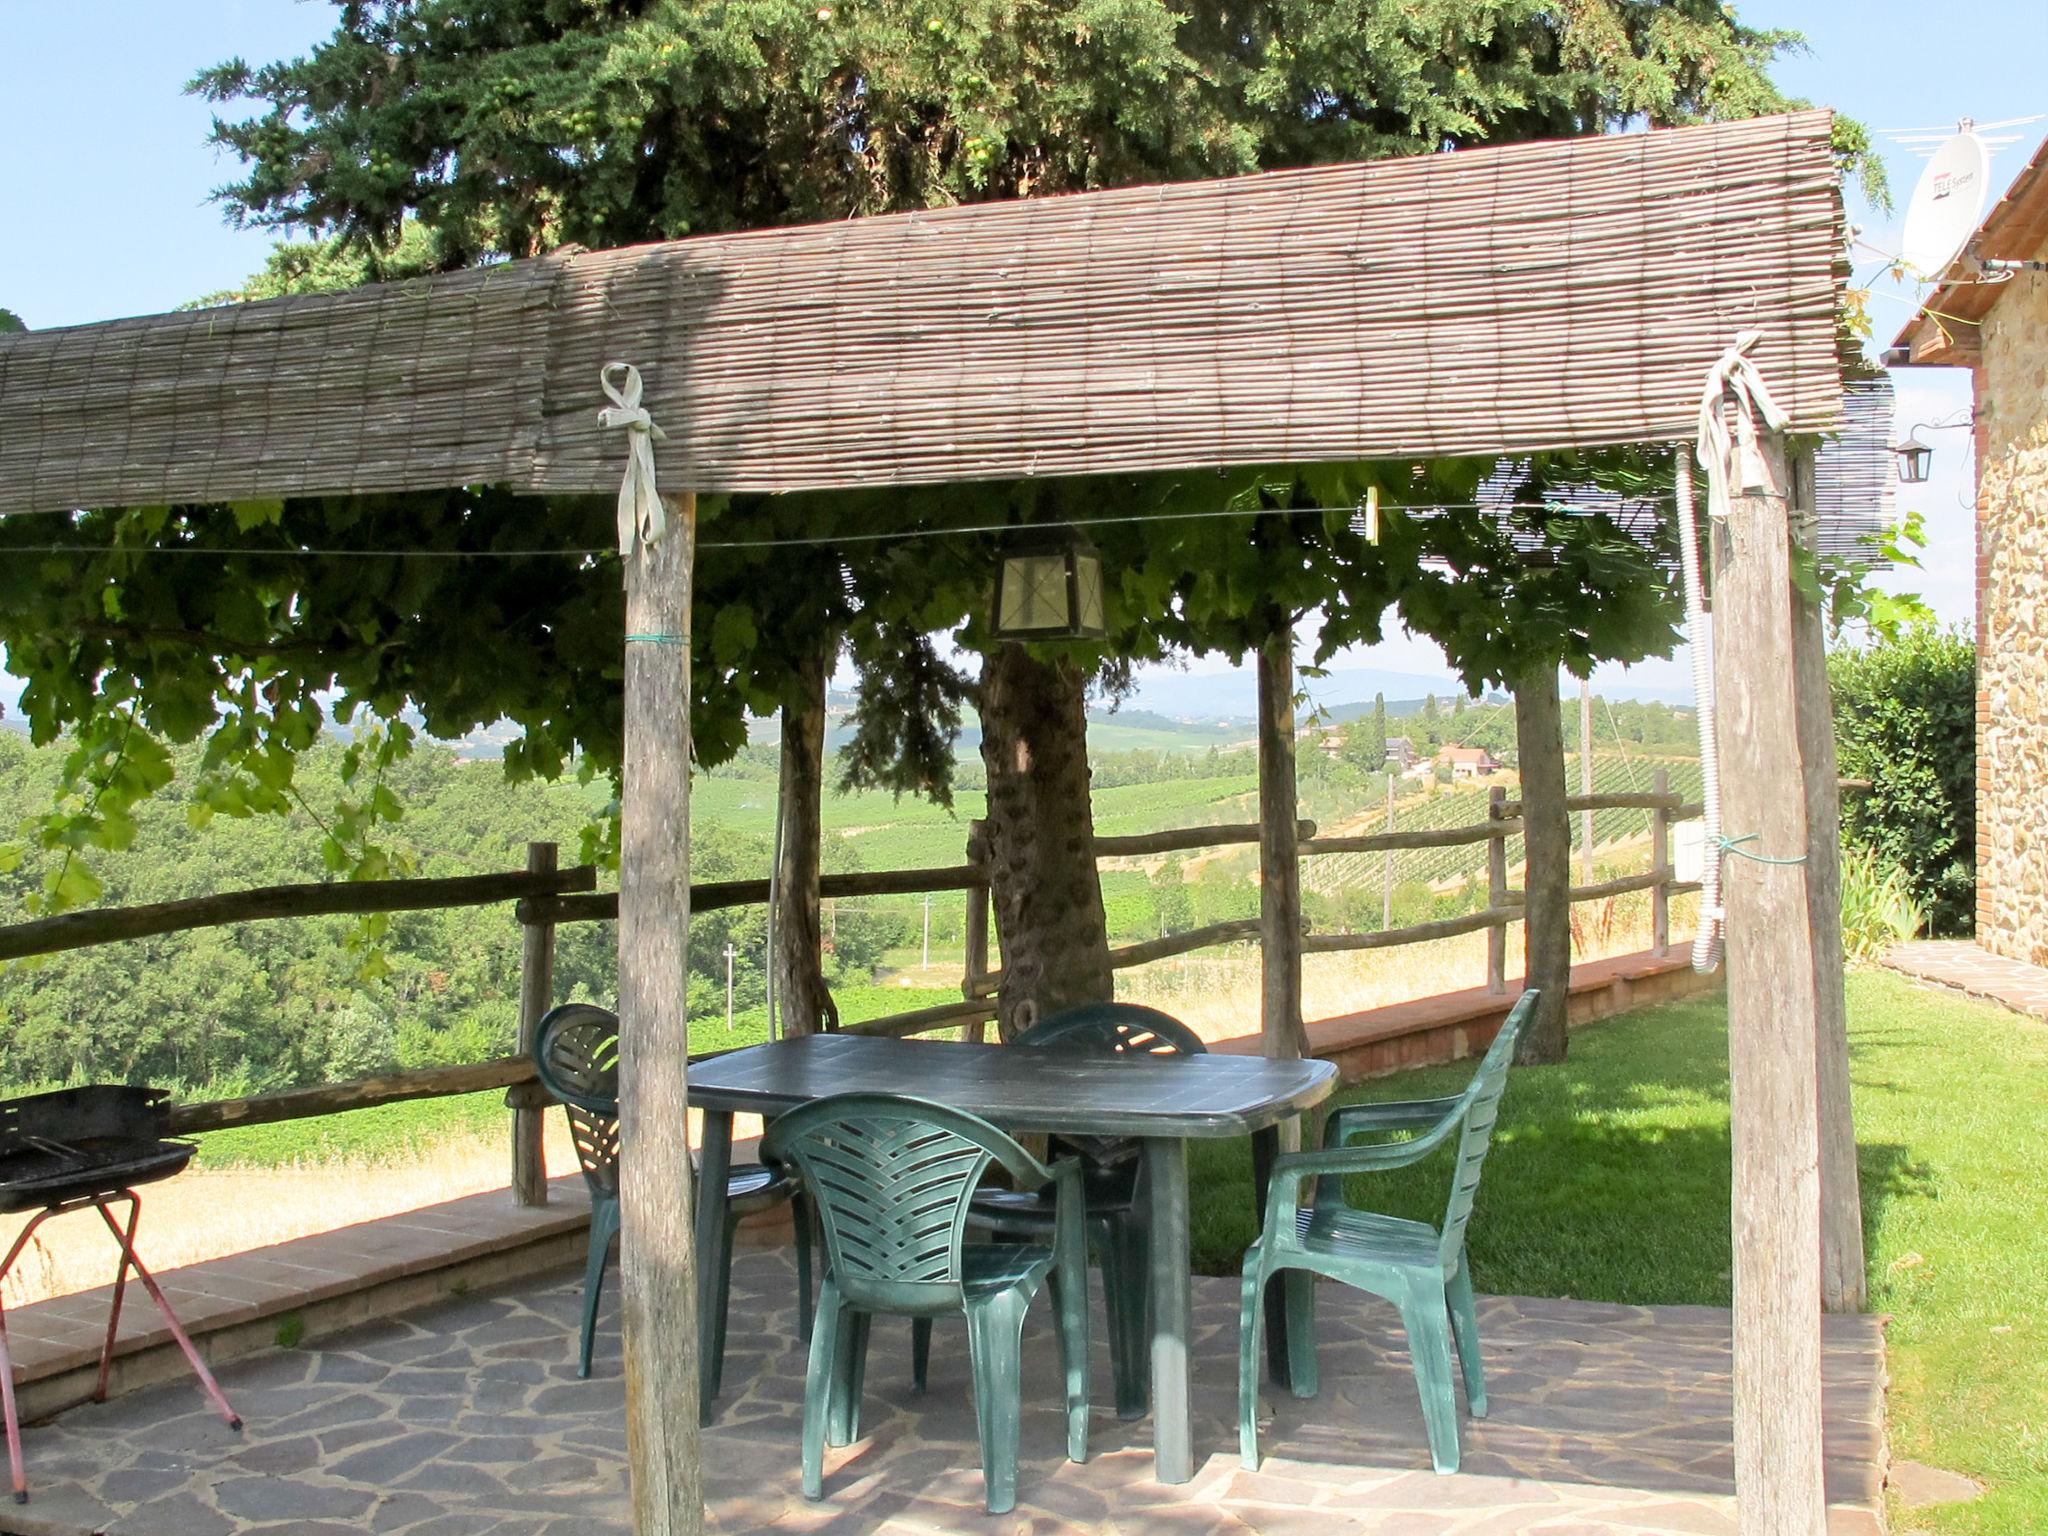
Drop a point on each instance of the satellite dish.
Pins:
(1946, 205)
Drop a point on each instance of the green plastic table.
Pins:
(1164, 1101)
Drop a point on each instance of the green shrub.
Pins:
(1878, 909)
(1905, 719)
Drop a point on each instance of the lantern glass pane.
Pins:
(1034, 594)
(1088, 594)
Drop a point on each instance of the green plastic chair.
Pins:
(1421, 1269)
(1117, 1224)
(892, 1178)
(576, 1054)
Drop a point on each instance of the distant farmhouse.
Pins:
(1400, 754)
(1469, 762)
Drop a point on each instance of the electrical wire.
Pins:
(801, 541)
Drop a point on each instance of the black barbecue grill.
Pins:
(86, 1149)
(79, 1142)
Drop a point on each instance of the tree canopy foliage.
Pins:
(438, 133)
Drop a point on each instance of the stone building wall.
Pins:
(2012, 623)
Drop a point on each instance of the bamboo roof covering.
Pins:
(1552, 295)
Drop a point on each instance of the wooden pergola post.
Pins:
(1773, 1087)
(657, 1256)
(1841, 1198)
(1281, 1031)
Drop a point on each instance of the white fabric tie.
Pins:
(640, 511)
(1733, 374)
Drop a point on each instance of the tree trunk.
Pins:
(1041, 838)
(1547, 844)
(804, 1000)
(1280, 1023)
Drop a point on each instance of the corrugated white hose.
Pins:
(1706, 942)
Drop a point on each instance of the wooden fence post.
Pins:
(975, 935)
(658, 1257)
(1660, 863)
(1497, 891)
(1387, 867)
(536, 996)
(1586, 779)
(1772, 1073)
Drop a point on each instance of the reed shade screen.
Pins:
(1505, 300)
(1855, 477)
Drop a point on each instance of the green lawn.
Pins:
(1609, 1181)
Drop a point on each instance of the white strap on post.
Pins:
(1726, 458)
(640, 513)
(1735, 377)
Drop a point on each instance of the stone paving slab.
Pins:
(1962, 965)
(466, 1419)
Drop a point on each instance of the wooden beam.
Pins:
(657, 1261)
(1773, 1092)
(1841, 1207)
(536, 996)
(1282, 1033)
(323, 898)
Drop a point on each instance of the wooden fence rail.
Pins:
(109, 925)
(545, 897)
(717, 895)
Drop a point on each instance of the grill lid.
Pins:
(79, 1142)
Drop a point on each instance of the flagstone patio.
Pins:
(1963, 966)
(466, 1419)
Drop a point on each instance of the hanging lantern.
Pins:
(1914, 459)
(1048, 587)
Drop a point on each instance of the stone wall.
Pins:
(2012, 623)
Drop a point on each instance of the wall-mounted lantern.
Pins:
(1048, 587)
(1915, 457)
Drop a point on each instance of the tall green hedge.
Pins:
(1905, 719)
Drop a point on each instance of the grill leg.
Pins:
(99, 1391)
(7, 1368)
(156, 1295)
(13, 1423)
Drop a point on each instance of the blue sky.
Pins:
(105, 188)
